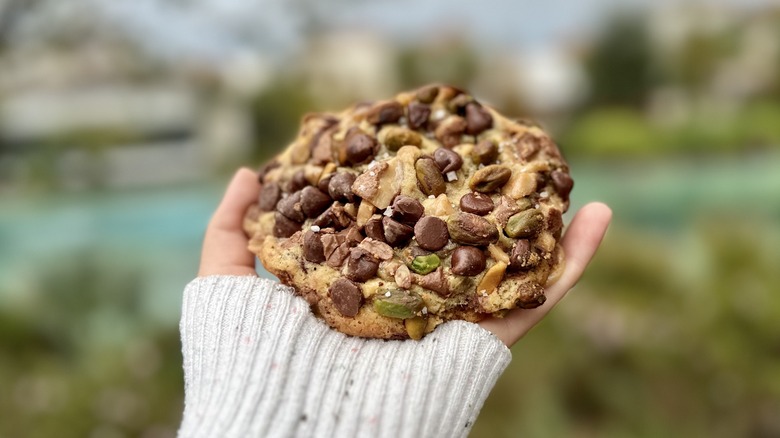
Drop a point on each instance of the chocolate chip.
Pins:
(396, 233)
(468, 260)
(290, 206)
(485, 152)
(385, 112)
(476, 203)
(340, 186)
(361, 147)
(374, 229)
(361, 265)
(531, 295)
(313, 201)
(478, 119)
(323, 183)
(297, 182)
(264, 169)
(449, 132)
(555, 222)
(562, 183)
(521, 255)
(407, 210)
(346, 297)
(431, 233)
(447, 160)
(527, 146)
(284, 227)
(313, 249)
(458, 104)
(427, 94)
(435, 281)
(269, 196)
(418, 115)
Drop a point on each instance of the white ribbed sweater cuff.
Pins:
(258, 363)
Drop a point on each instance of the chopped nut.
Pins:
(403, 277)
(380, 184)
(498, 254)
(415, 327)
(378, 249)
(364, 213)
(425, 264)
(520, 184)
(492, 277)
(439, 206)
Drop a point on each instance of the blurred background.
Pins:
(120, 123)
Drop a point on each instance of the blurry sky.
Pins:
(219, 29)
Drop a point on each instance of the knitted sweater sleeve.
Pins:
(258, 363)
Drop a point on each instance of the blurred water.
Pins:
(157, 233)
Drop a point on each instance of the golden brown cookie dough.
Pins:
(393, 217)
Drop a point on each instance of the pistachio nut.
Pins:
(470, 229)
(490, 178)
(397, 303)
(428, 177)
(524, 224)
(396, 137)
(415, 327)
(425, 264)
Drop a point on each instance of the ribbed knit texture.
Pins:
(258, 363)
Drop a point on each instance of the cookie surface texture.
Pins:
(393, 217)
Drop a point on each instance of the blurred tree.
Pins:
(620, 65)
(455, 62)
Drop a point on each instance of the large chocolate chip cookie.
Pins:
(393, 217)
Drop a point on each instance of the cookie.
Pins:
(392, 217)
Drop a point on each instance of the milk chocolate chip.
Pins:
(522, 257)
(447, 160)
(427, 94)
(313, 201)
(407, 210)
(269, 196)
(297, 182)
(478, 119)
(396, 233)
(346, 297)
(468, 260)
(449, 132)
(361, 147)
(340, 187)
(431, 233)
(361, 265)
(313, 249)
(374, 229)
(290, 207)
(476, 203)
(284, 227)
(562, 183)
(418, 115)
(385, 112)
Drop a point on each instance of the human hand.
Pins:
(225, 251)
(580, 242)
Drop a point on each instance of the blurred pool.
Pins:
(156, 233)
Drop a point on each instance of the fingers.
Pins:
(225, 244)
(580, 243)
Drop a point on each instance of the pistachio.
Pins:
(429, 178)
(485, 152)
(427, 94)
(524, 224)
(385, 112)
(492, 277)
(425, 264)
(498, 254)
(396, 303)
(531, 295)
(396, 137)
(490, 178)
(415, 327)
(470, 229)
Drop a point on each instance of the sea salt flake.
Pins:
(431, 197)
(543, 194)
(439, 114)
(388, 294)
(452, 176)
(388, 211)
(315, 228)
(425, 311)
